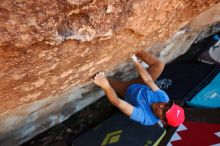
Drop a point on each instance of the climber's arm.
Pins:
(155, 65)
(122, 105)
(144, 74)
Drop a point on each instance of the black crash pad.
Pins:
(179, 79)
(119, 130)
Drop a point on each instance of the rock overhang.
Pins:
(48, 55)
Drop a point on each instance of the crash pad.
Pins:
(209, 96)
(196, 134)
(119, 130)
(179, 79)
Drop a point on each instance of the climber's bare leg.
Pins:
(119, 86)
(155, 69)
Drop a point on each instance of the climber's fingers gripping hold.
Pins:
(101, 80)
(134, 58)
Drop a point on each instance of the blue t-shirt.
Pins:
(141, 97)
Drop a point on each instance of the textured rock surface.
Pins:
(49, 50)
(32, 69)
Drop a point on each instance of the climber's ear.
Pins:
(164, 123)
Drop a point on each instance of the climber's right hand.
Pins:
(134, 58)
(101, 80)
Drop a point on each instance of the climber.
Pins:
(142, 100)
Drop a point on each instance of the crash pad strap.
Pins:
(161, 137)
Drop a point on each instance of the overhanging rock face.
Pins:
(49, 50)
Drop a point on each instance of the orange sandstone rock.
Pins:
(49, 50)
